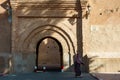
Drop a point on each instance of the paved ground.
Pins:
(47, 76)
(107, 76)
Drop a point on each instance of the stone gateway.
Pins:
(45, 35)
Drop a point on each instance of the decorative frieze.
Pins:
(40, 4)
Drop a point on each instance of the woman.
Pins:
(77, 63)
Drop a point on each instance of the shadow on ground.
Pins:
(47, 76)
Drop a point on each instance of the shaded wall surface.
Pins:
(4, 37)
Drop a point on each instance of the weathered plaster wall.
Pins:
(4, 38)
(4, 29)
(101, 36)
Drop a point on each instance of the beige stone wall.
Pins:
(49, 53)
(102, 40)
(4, 38)
(31, 23)
(99, 35)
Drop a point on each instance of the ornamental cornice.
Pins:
(46, 4)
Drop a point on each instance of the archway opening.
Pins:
(49, 55)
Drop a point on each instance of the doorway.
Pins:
(49, 55)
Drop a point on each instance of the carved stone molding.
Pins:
(43, 4)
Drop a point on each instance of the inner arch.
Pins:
(49, 54)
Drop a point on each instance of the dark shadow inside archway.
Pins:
(49, 55)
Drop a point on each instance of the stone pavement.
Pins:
(47, 76)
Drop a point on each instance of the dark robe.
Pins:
(77, 63)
